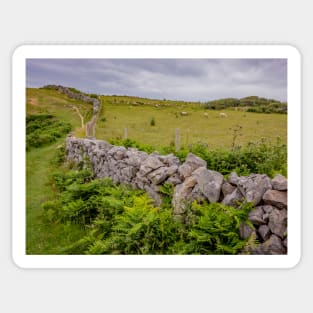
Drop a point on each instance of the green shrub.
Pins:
(44, 129)
(251, 104)
(140, 229)
(129, 143)
(82, 199)
(213, 229)
(152, 121)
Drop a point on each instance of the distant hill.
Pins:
(249, 104)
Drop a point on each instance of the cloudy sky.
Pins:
(182, 79)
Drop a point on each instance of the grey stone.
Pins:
(276, 198)
(279, 182)
(233, 178)
(264, 232)
(115, 178)
(233, 199)
(190, 182)
(171, 170)
(158, 176)
(169, 160)
(227, 188)
(185, 170)
(161, 174)
(174, 179)
(135, 158)
(182, 195)
(153, 194)
(272, 246)
(196, 194)
(191, 164)
(278, 222)
(141, 180)
(118, 153)
(256, 216)
(128, 172)
(102, 145)
(245, 231)
(267, 208)
(266, 217)
(254, 186)
(150, 164)
(210, 183)
(285, 242)
(156, 188)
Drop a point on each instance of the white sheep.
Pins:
(183, 113)
(206, 115)
(222, 114)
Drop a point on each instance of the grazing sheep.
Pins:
(183, 113)
(206, 115)
(242, 109)
(223, 115)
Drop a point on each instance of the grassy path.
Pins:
(44, 238)
(79, 114)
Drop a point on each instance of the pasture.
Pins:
(151, 122)
(198, 125)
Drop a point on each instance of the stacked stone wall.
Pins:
(193, 181)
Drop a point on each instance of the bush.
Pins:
(260, 157)
(140, 229)
(252, 104)
(82, 199)
(129, 143)
(152, 122)
(213, 229)
(44, 129)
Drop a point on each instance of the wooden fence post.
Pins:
(94, 130)
(87, 129)
(177, 140)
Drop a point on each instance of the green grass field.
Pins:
(212, 130)
(135, 114)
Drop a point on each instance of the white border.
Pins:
(156, 51)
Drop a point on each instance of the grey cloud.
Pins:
(185, 79)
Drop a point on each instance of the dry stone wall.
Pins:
(96, 104)
(193, 181)
(77, 95)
